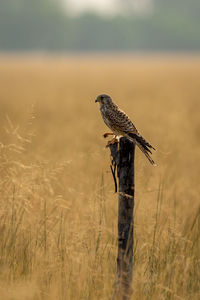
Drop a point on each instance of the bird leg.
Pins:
(107, 134)
(113, 141)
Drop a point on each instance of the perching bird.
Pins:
(121, 125)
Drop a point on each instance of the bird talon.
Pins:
(105, 135)
(112, 142)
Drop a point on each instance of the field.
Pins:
(58, 217)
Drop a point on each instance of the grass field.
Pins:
(58, 217)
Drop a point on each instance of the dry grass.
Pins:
(58, 217)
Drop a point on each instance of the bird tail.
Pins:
(143, 145)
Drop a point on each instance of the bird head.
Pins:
(104, 99)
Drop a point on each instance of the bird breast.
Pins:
(104, 113)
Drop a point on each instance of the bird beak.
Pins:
(96, 101)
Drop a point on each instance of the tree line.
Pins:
(43, 25)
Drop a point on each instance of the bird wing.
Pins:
(120, 121)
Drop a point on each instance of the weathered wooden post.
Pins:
(123, 158)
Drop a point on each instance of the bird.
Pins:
(121, 125)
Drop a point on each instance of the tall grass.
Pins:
(58, 216)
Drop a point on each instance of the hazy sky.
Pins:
(102, 6)
(108, 6)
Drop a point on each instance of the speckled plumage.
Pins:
(121, 125)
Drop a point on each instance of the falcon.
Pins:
(121, 125)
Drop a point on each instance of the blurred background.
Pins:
(58, 216)
(100, 25)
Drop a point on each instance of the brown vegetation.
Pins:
(58, 217)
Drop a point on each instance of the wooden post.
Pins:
(123, 157)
